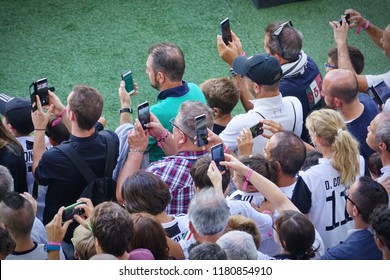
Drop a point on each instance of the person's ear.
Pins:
(160, 77)
(337, 102)
(217, 111)
(382, 146)
(379, 243)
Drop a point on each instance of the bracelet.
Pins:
(232, 72)
(162, 139)
(248, 175)
(363, 28)
(225, 149)
(62, 114)
(136, 151)
(54, 243)
(39, 129)
(267, 212)
(243, 53)
(49, 247)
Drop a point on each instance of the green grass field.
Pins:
(92, 42)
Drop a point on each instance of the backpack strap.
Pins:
(259, 114)
(77, 161)
(295, 116)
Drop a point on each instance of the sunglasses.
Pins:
(277, 33)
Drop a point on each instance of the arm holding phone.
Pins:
(40, 120)
(373, 31)
(138, 142)
(125, 100)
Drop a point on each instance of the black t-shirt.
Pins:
(65, 182)
(14, 161)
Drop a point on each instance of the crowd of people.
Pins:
(312, 183)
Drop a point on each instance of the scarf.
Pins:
(294, 68)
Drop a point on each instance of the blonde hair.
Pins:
(84, 243)
(329, 125)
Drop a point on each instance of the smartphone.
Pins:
(379, 92)
(201, 130)
(257, 130)
(347, 16)
(217, 155)
(129, 82)
(225, 31)
(143, 114)
(40, 88)
(69, 211)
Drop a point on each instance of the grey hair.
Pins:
(6, 182)
(383, 134)
(188, 111)
(208, 212)
(238, 245)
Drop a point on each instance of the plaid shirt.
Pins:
(175, 172)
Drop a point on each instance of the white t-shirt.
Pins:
(374, 79)
(320, 195)
(285, 110)
(252, 197)
(27, 143)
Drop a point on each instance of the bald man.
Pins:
(340, 92)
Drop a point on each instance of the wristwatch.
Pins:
(126, 110)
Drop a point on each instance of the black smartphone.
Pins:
(143, 114)
(129, 82)
(201, 130)
(225, 31)
(69, 211)
(217, 155)
(347, 16)
(257, 130)
(40, 88)
(379, 92)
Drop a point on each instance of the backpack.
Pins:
(97, 189)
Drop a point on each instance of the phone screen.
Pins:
(383, 91)
(129, 82)
(201, 130)
(225, 31)
(69, 211)
(217, 155)
(257, 130)
(144, 114)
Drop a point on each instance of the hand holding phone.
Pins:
(257, 130)
(217, 155)
(40, 88)
(225, 31)
(201, 130)
(144, 114)
(379, 92)
(70, 211)
(129, 82)
(347, 16)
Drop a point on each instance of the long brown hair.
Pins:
(6, 137)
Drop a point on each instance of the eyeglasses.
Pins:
(346, 194)
(277, 33)
(172, 122)
(327, 65)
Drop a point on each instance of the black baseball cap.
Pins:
(263, 69)
(17, 110)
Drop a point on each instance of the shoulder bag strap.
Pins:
(259, 114)
(110, 157)
(77, 161)
(295, 116)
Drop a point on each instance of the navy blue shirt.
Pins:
(358, 127)
(307, 88)
(360, 245)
